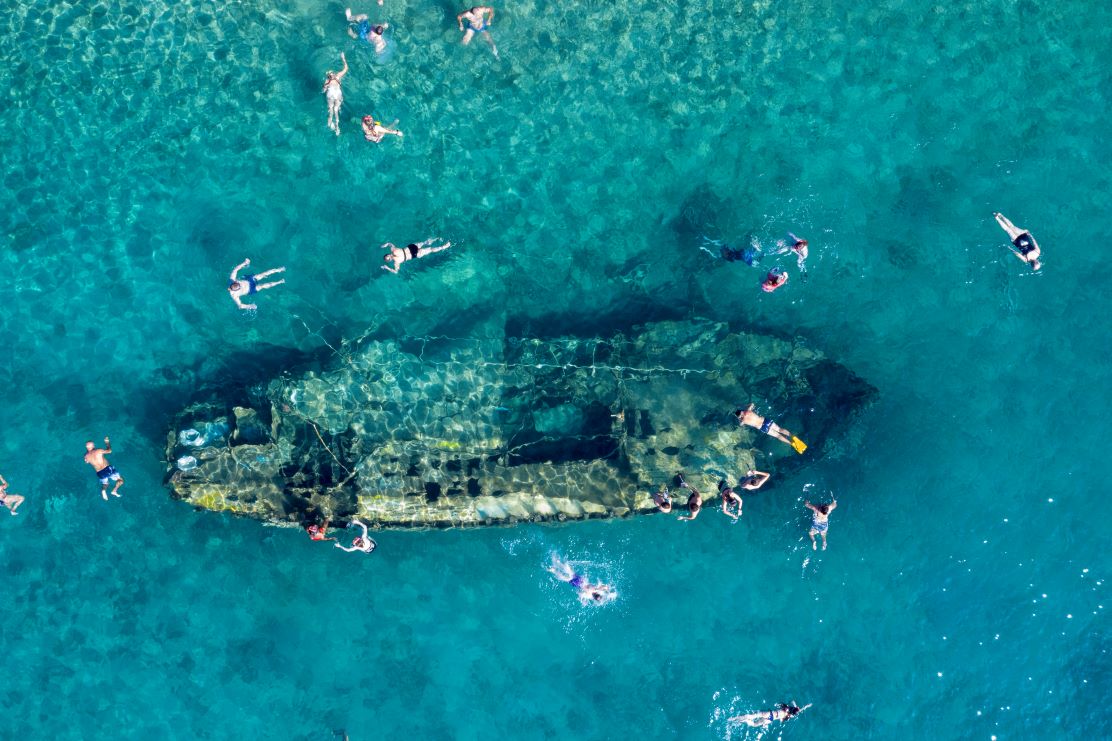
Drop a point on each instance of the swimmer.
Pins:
(478, 20)
(799, 247)
(782, 713)
(767, 426)
(751, 255)
(729, 497)
(106, 472)
(1024, 245)
(250, 283)
(588, 593)
(11, 501)
(334, 95)
(411, 252)
(754, 480)
(363, 543)
(318, 532)
(775, 278)
(694, 501)
(361, 28)
(820, 521)
(374, 131)
(663, 500)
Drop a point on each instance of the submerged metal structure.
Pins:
(443, 432)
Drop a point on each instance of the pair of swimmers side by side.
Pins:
(596, 593)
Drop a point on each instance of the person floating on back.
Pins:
(775, 278)
(752, 419)
(820, 521)
(374, 131)
(334, 95)
(363, 543)
(1024, 245)
(105, 471)
(411, 252)
(762, 720)
(11, 501)
(587, 592)
(478, 20)
(249, 284)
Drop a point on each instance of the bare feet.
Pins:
(104, 494)
(814, 546)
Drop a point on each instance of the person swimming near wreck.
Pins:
(749, 418)
(663, 500)
(588, 593)
(411, 252)
(362, 543)
(1025, 246)
(754, 480)
(694, 500)
(783, 713)
(729, 498)
(106, 472)
(318, 532)
(820, 521)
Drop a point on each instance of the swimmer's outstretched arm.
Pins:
(761, 477)
(459, 19)
(346, 550)
(393, 270)
(341, 73)
(833, 506)
(237, 268)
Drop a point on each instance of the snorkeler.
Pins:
(318, 532)
(478, 20)
(729, 497)
(763, 720)
(754, 480)
(751, 255)
(374, 131)
(663, 500)
(820, 521)
(363, 543)
(694, 500)
(11, 501)
(1025, 246)
(411, 252)
(250, 283)
(334, 95)
(752, 419)
(588, 593)
(775, 278)
(106, 472)
(361, 28)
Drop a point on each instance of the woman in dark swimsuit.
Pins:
(1024, 245)
(411, 252)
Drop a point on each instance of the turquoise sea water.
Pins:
(149, 147)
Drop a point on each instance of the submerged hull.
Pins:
(440, 432)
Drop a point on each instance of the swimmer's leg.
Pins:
(823, 534)
(490, 40)
(270, 272)
(356, 18)
(1012, 230)
(119, 483)
(467, 36)
(265, 286)
(814, 545)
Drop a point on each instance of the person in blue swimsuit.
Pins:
(360, 27)
(249, 284)
(598, 594)
(782, 713)
(820, 521)
(478, 20)
(106, 472)
(748, 417)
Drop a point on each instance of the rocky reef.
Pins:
(442, 432)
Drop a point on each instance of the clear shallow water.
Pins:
(148, 148)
